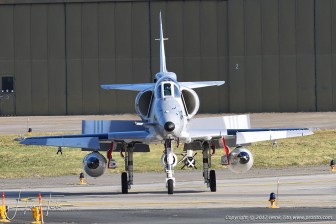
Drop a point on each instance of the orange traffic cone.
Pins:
(3, 210)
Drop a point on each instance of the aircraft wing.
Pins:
(132, 87)
(245, 136)
(85, 141)
(238, 127)
(74, 141)
(194, 85)
(93, 133)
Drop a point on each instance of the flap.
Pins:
(76, 142)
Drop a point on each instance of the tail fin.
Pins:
(162, 50)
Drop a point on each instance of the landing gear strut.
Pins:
(170, 180)
(127, 177)
(209, 176)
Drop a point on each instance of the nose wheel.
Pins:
(170, 186)
(170, 180)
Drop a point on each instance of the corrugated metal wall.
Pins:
(275, 55)
(273, 45)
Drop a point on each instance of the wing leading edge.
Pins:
(238, 127)
(85, 141)
(245, 136)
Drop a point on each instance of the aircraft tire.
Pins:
(212, 181)
(170, 185)
(124, 183)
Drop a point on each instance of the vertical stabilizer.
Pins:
(163, 68)
(162, 50)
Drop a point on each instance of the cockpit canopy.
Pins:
(167, 88)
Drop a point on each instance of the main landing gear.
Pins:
(169, 160)
(208, 175)
(127, 177)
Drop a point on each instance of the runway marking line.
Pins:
(275, 183)
(195, 203)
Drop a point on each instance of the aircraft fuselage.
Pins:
(168, 110)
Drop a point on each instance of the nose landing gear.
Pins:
(170, 180)
(169, 160)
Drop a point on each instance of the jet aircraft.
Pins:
(167, 108)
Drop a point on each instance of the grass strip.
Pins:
(36, 161)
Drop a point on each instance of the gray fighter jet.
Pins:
(167, 108)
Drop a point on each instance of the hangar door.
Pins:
(7, 96)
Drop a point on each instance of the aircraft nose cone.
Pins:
(244, 157)
(169, 126)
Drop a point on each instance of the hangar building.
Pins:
(275, 55)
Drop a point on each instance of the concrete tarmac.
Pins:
(191, 216)
(239, 199)
(304, 194)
